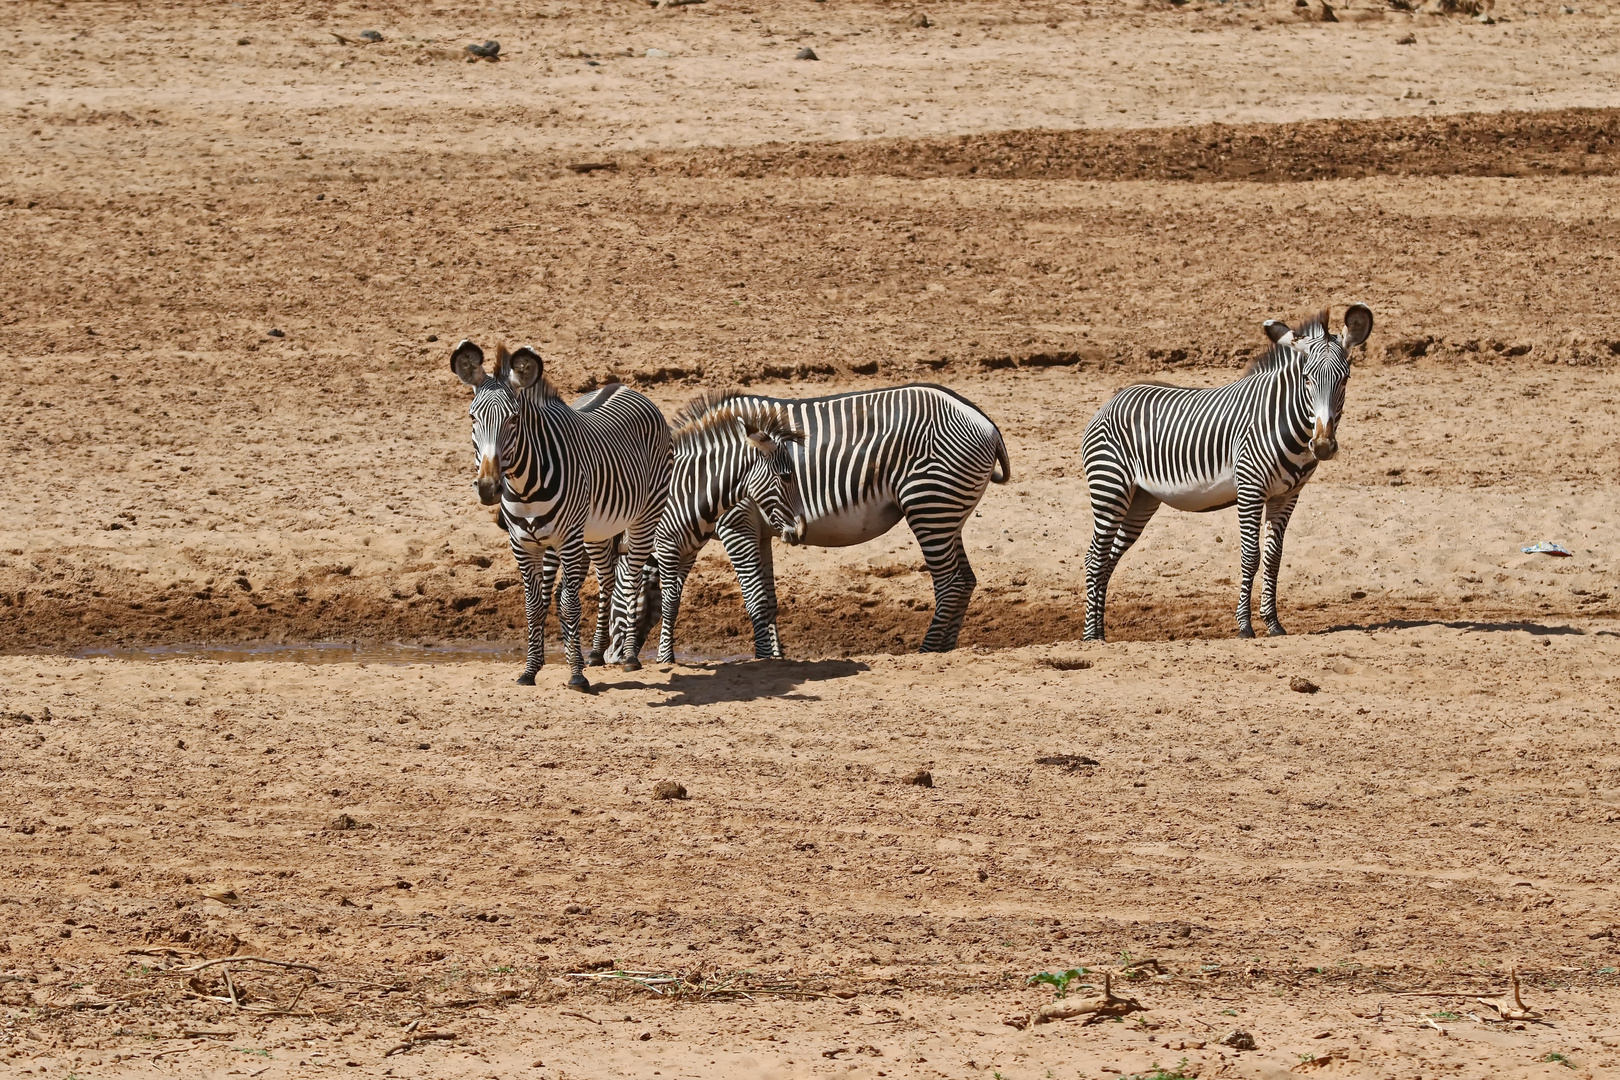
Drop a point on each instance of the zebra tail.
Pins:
(1003, 470)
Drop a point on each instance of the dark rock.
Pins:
(370, 35)
(921, 778)
(244, 41)
(489, 50)
(1238, 1039)
(276, 333)
(1302, 685)
(1069, 761)
(345, 823)
(668, 789)
(806, 53)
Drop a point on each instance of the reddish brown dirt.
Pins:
(1151, 183)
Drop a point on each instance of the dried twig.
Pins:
(1518, 1010)
(582, 1016)
(1091, 1008)
(230, 988)
(242, 960)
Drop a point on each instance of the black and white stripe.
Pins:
(868, 459)
(566, 478)
(1253, 443)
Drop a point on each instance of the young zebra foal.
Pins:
(722, 457)
(1253, 443)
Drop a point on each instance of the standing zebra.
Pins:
(566, 478)
(722, 456)
(1253, 443)
(869, 458)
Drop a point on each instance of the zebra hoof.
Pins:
(580, 683)
(632, 664)
(595, 659)
(1245, 631)
(1276, 630)
(526, 679)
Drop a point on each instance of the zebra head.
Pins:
(771, 481)
(1324, 360)
(494, 412)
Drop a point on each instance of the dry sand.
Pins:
(1032, 205)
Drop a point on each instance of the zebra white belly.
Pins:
(601, 528)
(1194, 493)
(852, 525)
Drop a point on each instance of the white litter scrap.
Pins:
(1547, 547)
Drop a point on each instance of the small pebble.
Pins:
(244, 41)
(1409, 39)
(1302, 686)
(488, 50)
(668, 789)
(921, 778)
(276, 333)
(806, 53)
(1238, 1039)
(657, 54)
(370, 35)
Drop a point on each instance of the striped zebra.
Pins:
(566, 478)
(1253, 443)
(868, 459)
(723, 456)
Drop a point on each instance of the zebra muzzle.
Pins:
(489, 481)
(1323, 444)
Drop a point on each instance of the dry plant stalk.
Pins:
(1091, 1008)
(1518, 1010)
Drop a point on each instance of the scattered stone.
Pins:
(244, 41)
(489, 50)
(273, 332)
(656, 54)
(920, 20)
(345, 823)
(1238, 1039)
(1409, 39)
(921, 778)
(1302, 685)
(594, 166)
(806, 53)
(370, 35)
(668, 789)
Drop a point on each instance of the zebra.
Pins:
(1253, 443)
(723, 455)
(564, 479)
(869, 458)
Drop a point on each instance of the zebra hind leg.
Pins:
(954, 583)
(1112, 535)
(604, 555)
(1278, 511)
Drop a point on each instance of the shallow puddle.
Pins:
(348, 652)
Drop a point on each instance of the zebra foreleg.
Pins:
(672, 574)
(575, 562)
(750, 554)
(1278, 511)
(536, 600)
(1250, 511)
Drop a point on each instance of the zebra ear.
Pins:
(467, 361)
(1358, 323)
(525, 368)
(762, 442)
(1277, 331)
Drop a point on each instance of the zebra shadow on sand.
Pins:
(1536, 629)
(748, 681)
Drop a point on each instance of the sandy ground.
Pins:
(1031, 205)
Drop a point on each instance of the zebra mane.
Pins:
(704, 403)
(1278, 355)
(711, 415)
